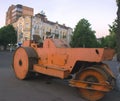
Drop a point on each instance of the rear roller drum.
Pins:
(91, 75)
(23, 60)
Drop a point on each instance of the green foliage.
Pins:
(118, 31)
(8, 35)
(110, 40)
(118, 2)
(83, 35)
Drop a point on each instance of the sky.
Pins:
(99, 13)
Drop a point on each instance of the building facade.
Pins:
(28, 26)
(23, 27)
(16, 11)
(45, 28)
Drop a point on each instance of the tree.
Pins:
(118, 30)
(113, 31)
(8, 35)
(83, 35)
(110, 40)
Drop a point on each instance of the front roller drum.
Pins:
(23, 60)
(92, 84)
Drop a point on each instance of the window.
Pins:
(27, 25)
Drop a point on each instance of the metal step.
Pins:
(52, 70)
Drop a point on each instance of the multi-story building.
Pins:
(16, 11)
(45, 28)
(28, 26)
(23, 27)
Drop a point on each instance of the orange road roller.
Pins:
(54, 57)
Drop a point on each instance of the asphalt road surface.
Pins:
(38, 89)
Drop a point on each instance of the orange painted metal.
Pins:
(26, 43)
(52, 71)
(21, 63)
(55, 53)
(55, 58)
(92, 84)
